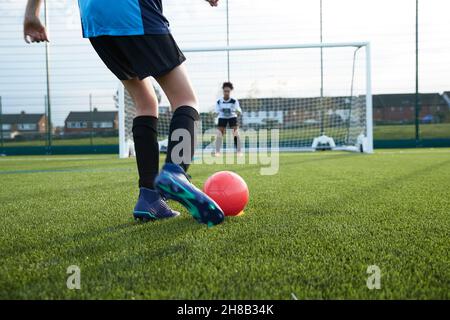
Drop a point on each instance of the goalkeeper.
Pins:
(133, 39)
(228, 110)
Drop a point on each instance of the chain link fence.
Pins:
(80, 115)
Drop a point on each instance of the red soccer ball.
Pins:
(229, 191)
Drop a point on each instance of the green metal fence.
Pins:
(67, 118)
(95, 131)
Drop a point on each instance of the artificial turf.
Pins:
(310, 231)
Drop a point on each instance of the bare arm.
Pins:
(238, 107)
(33, 30)
(217, 109)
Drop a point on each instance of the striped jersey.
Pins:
(122, 17)
(228, 108)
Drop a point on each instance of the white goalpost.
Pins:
(279, 87)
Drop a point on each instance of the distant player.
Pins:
(133, 39)
(228, 110)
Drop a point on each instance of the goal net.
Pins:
(318, 96)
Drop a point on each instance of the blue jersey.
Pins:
(122, 17)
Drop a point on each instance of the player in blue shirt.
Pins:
(133, 39)
(122, 17)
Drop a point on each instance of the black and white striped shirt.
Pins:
(228, 108)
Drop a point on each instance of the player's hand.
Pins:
(33, 30)
(213, 3)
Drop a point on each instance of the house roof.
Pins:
(269, 104)
(21, 118)
(406, 99)
(379, 101)
(100, 116)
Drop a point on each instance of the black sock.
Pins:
(183, 118)
(236, 142)
(147, 149)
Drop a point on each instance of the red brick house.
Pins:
(23, 124)
(96, 121)
(292, 112)
(400, 108)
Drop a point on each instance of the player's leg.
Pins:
(178, 89)
(143, 95)
(173, 181)
(236, 137)
(145, 129)
(220, 133)
(150, 206)
(237, 141)
(133, 59)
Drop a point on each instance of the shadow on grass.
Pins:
(154, 240)
(135, 230)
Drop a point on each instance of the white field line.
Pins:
(57, 158)
(414, 151)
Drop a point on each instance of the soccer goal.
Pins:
(317, 95)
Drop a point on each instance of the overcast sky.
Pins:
(387, 24)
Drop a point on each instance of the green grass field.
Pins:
(65, 142)
(405, 132)
(312, 230)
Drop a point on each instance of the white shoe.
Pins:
(217, 154)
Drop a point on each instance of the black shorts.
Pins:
(223, 122)
(130, 57)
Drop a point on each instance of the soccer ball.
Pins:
(229, 191)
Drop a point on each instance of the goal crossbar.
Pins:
(278, 47)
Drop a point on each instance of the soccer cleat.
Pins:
(173, 183)
(151, 206)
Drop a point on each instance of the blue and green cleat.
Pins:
(151, 206)
(173, 183)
